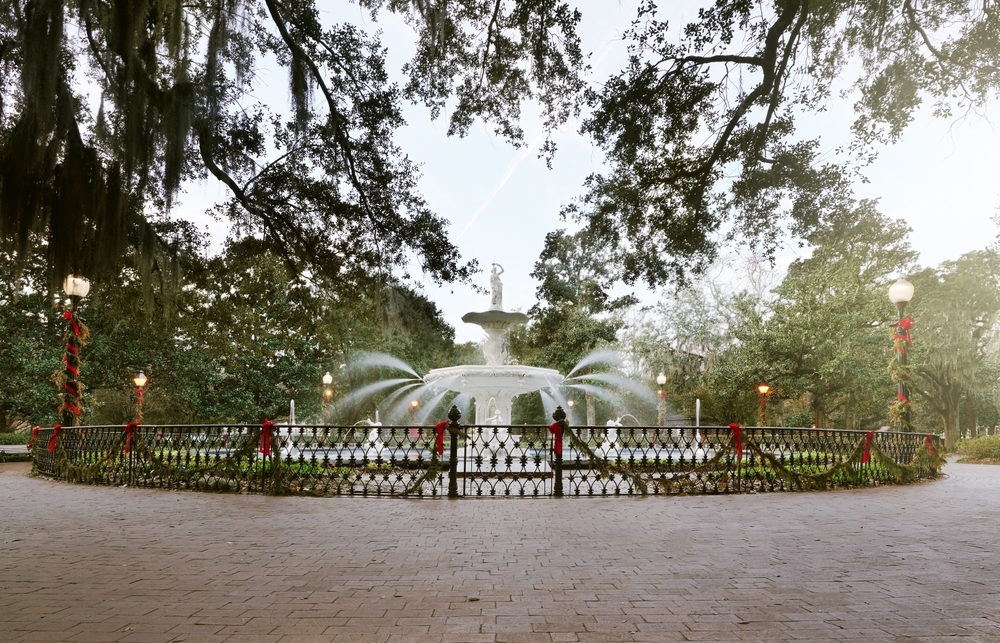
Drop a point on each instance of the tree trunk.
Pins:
(4, 422)
(819, 415)
(591, 411)
(950, 429)
(970, 414)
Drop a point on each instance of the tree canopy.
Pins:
(700, 129)
(108, 106)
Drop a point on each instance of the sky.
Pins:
(942, 177)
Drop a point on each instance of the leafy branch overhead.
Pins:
(109, 106)
(700, 129)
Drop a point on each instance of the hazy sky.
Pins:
(942, 178)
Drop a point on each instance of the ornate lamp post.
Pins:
(76, 338)
(327, 394)
(764, 391)
(140, 385)
(900, 294)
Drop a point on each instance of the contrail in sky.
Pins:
(511, 167)
(523, 154)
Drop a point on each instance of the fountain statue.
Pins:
(495, 385)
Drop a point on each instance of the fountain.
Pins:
(495, 385)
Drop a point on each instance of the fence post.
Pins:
(454, 415)
(557, 461)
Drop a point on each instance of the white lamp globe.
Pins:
(76, 286)
(901, 291)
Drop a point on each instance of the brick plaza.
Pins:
(899, 563)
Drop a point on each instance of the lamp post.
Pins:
(661, 409)
(900, 294)
(414, 431)
(327, 394)
(76, 337)
(764, 391)
(140, 385)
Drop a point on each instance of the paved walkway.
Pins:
(913, 563)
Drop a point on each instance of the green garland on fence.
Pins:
(434, 466)
(227, 466)
(923, 462)
(606, 468)
(82, 472)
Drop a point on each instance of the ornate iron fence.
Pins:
(454, 460)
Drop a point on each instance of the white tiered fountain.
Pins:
(495, 385)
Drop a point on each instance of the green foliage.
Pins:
(31, 349)
(176, 85)
(246, 336)
(956, 307)
(699, 128)
(15, 438)
(985, 449)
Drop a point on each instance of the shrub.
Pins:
(984, 448)
(15, 438)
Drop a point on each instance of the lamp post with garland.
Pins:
(139, 381)
(900, 294)
(76, 288)
(764, 390)
(327, 394)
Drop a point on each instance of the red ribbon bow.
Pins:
(76, 328)
(930, 444)
(129, 432)
(34, 437)
(737, 441)
(556, 429)
(905, 325)
(265, 437)
(439, 431)
(902, 398)
(867, 456)
(52, 442)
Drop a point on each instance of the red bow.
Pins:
(52, 442)
(265, 437)
(34, 437)
(129, 432)
(930, 444)
(556, 429)
(867, 456)
(737, 441)
(68, 315)
(439, 430)
(902, 398)
(905, 325)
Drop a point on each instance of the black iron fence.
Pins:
(456, 460)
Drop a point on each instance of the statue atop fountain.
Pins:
(495, 385)
(496, 286)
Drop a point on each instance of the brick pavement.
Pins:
(913, 563)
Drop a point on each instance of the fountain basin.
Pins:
(493, 387)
